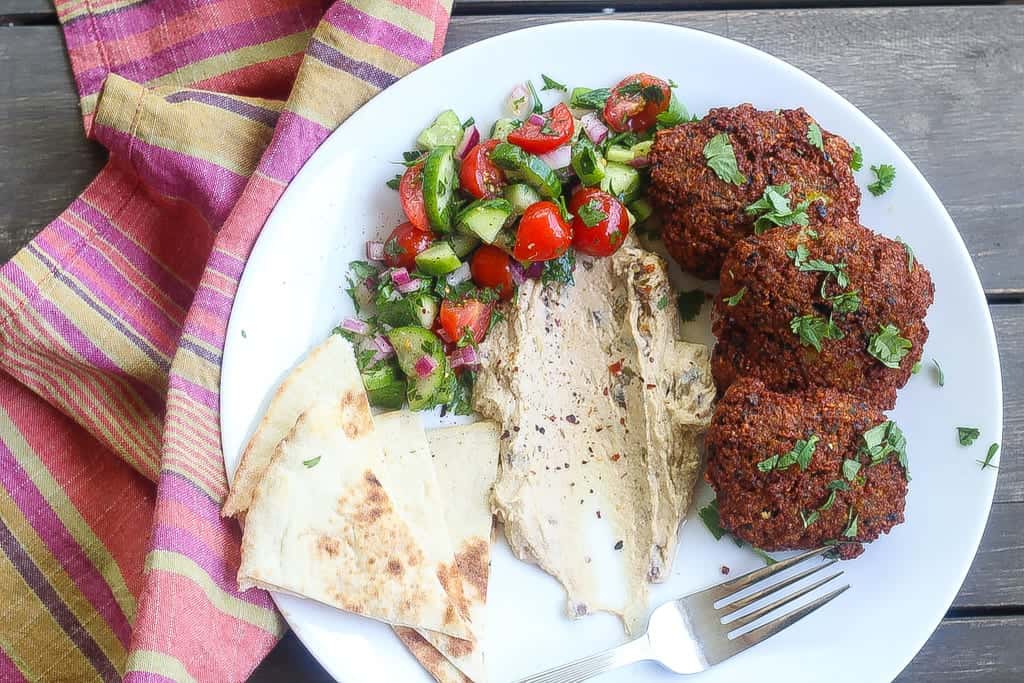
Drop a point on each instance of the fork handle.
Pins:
(582, 669)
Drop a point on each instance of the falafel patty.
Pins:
(845, 310)
(798, 470)
(703, 215)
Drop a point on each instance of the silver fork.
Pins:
(688, 635)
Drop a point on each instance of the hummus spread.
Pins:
(602, 408)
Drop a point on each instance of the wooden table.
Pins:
(947, 83)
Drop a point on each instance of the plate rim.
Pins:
(936, 616)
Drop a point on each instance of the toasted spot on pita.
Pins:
(355, 404)
(473, 562)
(374, 501)
(395, 567)
(329, 546)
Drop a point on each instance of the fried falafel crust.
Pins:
(754, 335)
(752, 423)
(703, 215)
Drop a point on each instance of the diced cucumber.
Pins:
(621, 180)
(641, 149)
(619, 154)
(502, 127)
(484, 218)
(463, 244)
(445, 130)
(520, 196)
(440, 181)
(642, 209)
(411, 344)
(505, 240)
(587, 162)
(385, 385)
(520, 165)
(415, 309)
(438, 259)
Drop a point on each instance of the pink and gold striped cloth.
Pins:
(115, 562)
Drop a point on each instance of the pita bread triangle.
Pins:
(326, 522)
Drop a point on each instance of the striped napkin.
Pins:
(115, 562)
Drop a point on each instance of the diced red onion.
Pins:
(557, 158)
(424, 366)
(410, 286)
(535, 270)
(400, 276)
(518, 273)
(519, 100)
(536, 119)
(383, 345)
(594, 127)
(355, 325)
(459, 275)
(466, 356)
(380, 355)
(375, 250)
(470, 137)
(639, 162)
(443, 335)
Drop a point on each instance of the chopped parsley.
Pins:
(585, 98)
(393, 248)
(412, 157)
(662, 302)
(559, 269)
(915, 368)
(801, 454)
(809, 519)
(988, 457)
(888, 347)
(827, 505)
(812, 329)
(563, 209)
(838, 484)
(884, 176)
(851, 524)
(675, 114)
(847, 302)
(883, 440)
(651, 93)
(709, 515)
(461, 403)
(538, 106)
(940, 376)
(312, 462)
(591, 213)
(552, 84)
(468, 122)
(910, 255)
(394, 182)
(857, 158)
(967, 435)
(814, 136)
(775, 210)
(851, 468)
(722, 159)
(737, 297)
(689, 304)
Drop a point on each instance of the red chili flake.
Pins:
(725, 570)
(616, 367)
(652, 386)
(615, 457)
(605, 391)
(571, 419)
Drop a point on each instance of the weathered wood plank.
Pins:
(12, 8)
(995, 577)
(946, 83)
(976, 650)
(1008, 320)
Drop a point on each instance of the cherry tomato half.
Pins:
(636, 102)
(543, 234)
(491, 267)
(603, 236)
(478, 175)
(456, 317)
(538, 138)
(410, 193)
(402, 245)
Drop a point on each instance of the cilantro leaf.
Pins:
(552, 84)
(838, 485)
(967, 435)
(394, 182)
(827, 505)
(736, 298)
(850, 469)
(768, 464)
(885, 175)
(591, 213)
(809, 519)
(722, 159)
(462, 400)
(538, 106)
(675, 114)
(814, 136)
(940, 376)
(851, 525)
(801, 454)
(689, 304)
(812, 329)
(988, 457)
(910, 255)
(857, 158)
(888, 347)
(847, 302)
(312, 462)
(585, 98)
(775, 209)
(560, 269)
(709, 515)
(884, 439)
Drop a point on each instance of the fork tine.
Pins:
(750, 618)
(740, 582)
(775, 587)
(760, 633)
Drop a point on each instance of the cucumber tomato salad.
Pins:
(486, 214)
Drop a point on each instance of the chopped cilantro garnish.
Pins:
(461, 403)
(915, 368)
(393, 248)
(496, 317)
(312, 462)
(884, 439)
(394, 182)
(847, 302)
(801, 454)
(584, 98)
(988, 457)
(538, 106)
(827, 505)
(851, 525)
(857, 158)
(809, 519)
(662, 302)
(775, 209)
(814, 136)
(722, 159)
(838, 485)
(591, 213)
(888, 346)
(884, 175)
(850, 469)
(709, 515)
(552, 84)
(675, 114)
(940, 376)
(689, 304)
(559, 269)
(563, 209)
(468, 122)
(967, 435)
(812, 329)
(910, 255)
(736, 298)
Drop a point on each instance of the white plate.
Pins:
(292, 294)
